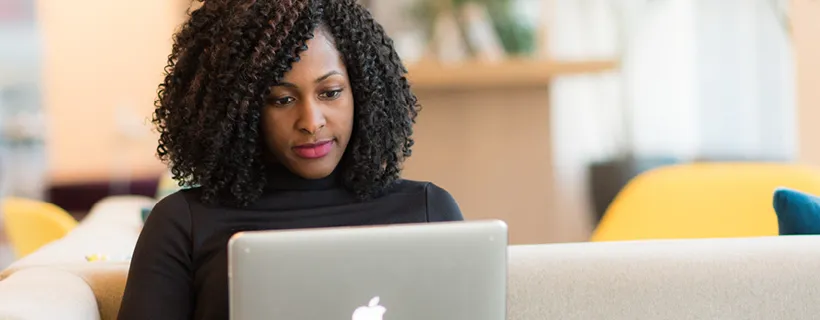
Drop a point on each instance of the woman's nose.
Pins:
(312, 119)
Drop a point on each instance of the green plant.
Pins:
(516, 37)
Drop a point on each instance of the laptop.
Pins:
(442, 270)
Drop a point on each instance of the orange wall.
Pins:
(806, 27)
(99, 54)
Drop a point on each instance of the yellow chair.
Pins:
(702, 200)
(30, 224)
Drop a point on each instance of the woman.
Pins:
(285, 114)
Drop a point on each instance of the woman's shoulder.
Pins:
(415, 186)
(426, 188)
(174, 208)
(182, 197)
(440, 204)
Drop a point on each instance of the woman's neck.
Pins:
(281, 178)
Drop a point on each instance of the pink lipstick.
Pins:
(313, 150)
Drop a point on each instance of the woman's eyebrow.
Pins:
(322, 78)
(319, 79)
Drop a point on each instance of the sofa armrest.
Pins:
(45, 294)
(739, 278)
(96, 286)
(107, 282)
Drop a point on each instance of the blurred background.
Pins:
(535, 111)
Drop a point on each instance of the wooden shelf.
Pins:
(516, 73)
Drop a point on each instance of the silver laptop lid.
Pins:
(448, 271)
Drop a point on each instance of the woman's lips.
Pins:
(314, 150)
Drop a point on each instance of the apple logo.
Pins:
(373, 311)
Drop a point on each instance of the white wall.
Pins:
(745, 80)
(700, 78)
(22, 166)
(662, 92)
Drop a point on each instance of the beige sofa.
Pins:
(58, 280)
(754, 278)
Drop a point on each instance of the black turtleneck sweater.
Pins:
(179, 267)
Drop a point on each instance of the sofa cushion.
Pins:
(798, 213)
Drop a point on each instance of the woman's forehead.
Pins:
(320, 58)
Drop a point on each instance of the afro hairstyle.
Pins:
(224, 61)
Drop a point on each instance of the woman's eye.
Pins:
(331, 94)
(282, 101)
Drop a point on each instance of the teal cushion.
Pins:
(798, 213)
(145, 212)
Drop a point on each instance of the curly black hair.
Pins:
(224, 61)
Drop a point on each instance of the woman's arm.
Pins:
(159, 284)
(441, 206)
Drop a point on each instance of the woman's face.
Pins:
(308, 118)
